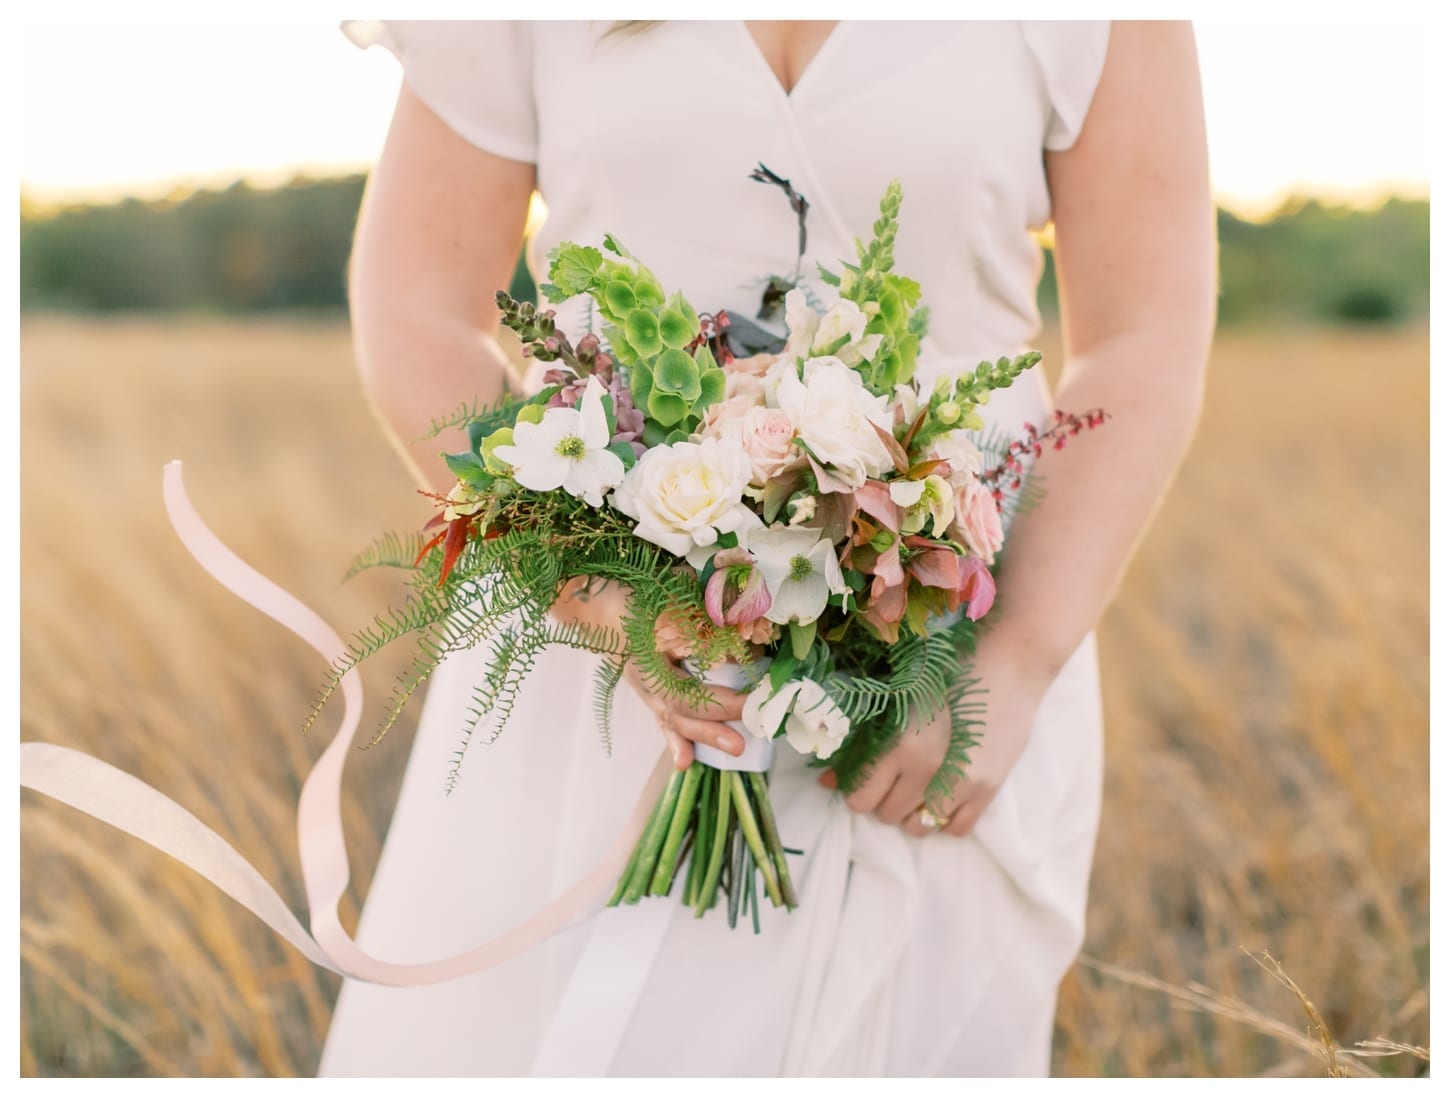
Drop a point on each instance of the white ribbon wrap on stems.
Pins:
(758, 752)
(127, 803)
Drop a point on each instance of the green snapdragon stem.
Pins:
(751, 830)
(772, 838)
(649, 845)
(664, 875)
(721, 822)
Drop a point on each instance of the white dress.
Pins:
(907, 956)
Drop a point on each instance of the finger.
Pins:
(710, 732)
(965, 817)
(866, 796)
(827, 779)
(681, 750)
(912, 825)
(903, 799)
(726, 704)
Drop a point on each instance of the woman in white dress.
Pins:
(912, 952)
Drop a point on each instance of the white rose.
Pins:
(836, 417)
(688, 494)
(814, 724)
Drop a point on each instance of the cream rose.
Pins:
(686, 495)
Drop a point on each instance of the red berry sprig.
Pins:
(1007, 474)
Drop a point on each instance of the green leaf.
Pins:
(781, 670)
(801, 639)
(612, 244)
(830, 278)
(624, 451)
(574, 269)
(460, 465)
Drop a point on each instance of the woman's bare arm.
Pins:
(438, 235)
(1135, 252)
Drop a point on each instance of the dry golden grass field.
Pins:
(1267, 700)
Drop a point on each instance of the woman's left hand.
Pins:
(894, 790)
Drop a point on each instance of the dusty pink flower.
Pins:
(736, 593)
(759, 631)
(978, 589)
(978, 523)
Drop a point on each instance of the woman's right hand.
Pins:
(683, 725)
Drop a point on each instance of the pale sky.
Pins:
(1337, 109)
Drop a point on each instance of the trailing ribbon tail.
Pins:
(125, 802)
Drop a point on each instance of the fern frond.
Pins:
(967, 715)
(606, 685)
(389, 551)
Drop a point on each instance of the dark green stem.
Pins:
(761, 788)
(705, 900)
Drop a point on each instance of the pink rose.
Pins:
(768, 438)
(978, 523)
(754, 366)
(723, 420)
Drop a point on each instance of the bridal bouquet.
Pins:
(805, 523)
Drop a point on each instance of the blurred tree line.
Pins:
(244, 249)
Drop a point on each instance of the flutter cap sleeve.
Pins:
(477, 76)
(1071, 57)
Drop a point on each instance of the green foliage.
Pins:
(651, 336)
(886, 689)
(244, 249)
(389, 551)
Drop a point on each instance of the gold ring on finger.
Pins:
(930, 820)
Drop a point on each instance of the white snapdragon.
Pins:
(813, 723)
(686, 495)
(566, 449)
(840, 331)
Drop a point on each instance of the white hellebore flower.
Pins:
(567, 450)
(800, 572)
(686, 495)
(928, 499)
(840, 332)
(837, 418)
(814, 724)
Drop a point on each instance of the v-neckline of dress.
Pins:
(808, 74)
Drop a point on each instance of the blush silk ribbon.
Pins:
(125, 802)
